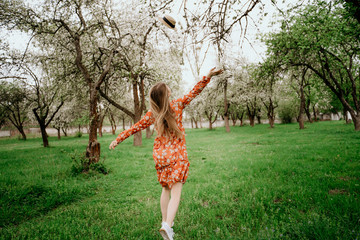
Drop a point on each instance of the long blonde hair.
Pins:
(165, 123)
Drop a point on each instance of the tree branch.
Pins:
(125, 110)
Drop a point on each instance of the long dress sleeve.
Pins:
(194, 92)
(144, 123)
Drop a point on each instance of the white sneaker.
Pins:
(172, 225)
(166, 231)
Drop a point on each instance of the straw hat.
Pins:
(168, 21)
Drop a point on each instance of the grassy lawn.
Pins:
(252, 183)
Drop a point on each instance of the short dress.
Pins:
(170, 155)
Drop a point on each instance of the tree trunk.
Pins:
(137, 110)
(64, 131)
(192, 124)
(258, 119)
(196, 125)
(270, 112)
(307, 110)
(22, 132)
(58, 133)
(138, 135)
(271, 122)
(271, 116)
(112, 122)
(251, 114)
(302, 108)
(101, 121)
(113, 127)
(93, 148)
(44, 135)
(356, 120)
(123, 123)
(226, 108)
(347, 121)
(210, 124)
(252, 120)
(100, 129)
(315, 115)
(240, 117)
(148, 133)
(258, 116)
(233, 118)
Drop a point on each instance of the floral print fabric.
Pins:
(170, 155)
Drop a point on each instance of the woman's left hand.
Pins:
(214, 72)
(113, 144)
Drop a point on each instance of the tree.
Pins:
(268, 75)
(46, 99)
(217, 19)
(210, 104)
(353, 7)
(14, 104)
(330, 52)
(140, 63)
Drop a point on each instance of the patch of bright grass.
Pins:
(251, 183)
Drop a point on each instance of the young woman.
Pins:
(169, 153)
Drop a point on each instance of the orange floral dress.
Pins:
(170, 155)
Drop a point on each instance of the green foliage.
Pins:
(320, 37)
(78, 134)
(286, 112)
(81, 164)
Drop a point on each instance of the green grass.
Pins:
(252, 183)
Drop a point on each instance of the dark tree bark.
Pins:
(211, 118)
(44, 111)
(64, 130)
(102, 114)
(301, 108)
(240, 116)
(315, 114)
(307, 110)
(195, 121)
(251, 111)
(112, 122)
(15, 110)
(226, 108)
(58, 133)
(270, 111)
(233, 118)
(353, 7)
(258, 116)
(18, 122)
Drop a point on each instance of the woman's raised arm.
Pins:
(198, 87)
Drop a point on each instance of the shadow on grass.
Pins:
(22, 202)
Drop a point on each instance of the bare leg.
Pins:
(164, 202)
(174, 202)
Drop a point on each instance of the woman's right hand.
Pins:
(214, 72)
(113, 144)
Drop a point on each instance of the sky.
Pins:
(254, 53)
(253, 50)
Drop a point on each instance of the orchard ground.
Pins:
(252, 183)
